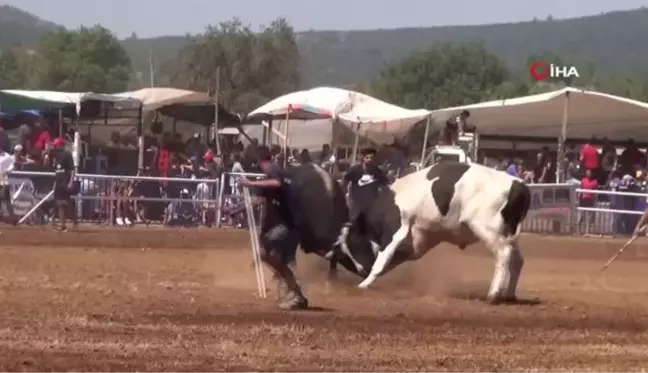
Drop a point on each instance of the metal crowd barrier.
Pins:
(109, 198)
(567, 209)
(606, 212)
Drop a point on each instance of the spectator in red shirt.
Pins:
(41, 137)
(589, 158)
(588, 182)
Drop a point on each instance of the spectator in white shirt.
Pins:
(6, 165)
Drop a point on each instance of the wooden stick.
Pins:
(622, 249)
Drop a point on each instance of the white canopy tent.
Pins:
(14, 100)
(568, 113)
(155, 98)
(339, 112)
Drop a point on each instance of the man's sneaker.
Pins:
(294, 302)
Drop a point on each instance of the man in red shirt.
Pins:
(589, 158)
(587, 199)
(41, 137)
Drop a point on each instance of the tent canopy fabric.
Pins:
(348, 107)
(181, 104)
(589, 113)
(12, 100)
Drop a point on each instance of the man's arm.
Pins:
(381, 176)
(265, 183)
(273, 180)
(349, 176)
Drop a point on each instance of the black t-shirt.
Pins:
(364, 182)
(276, 199)
(63, 167)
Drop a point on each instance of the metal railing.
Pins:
(119, 200)
(606, 212)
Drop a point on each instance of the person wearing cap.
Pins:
(278, 236)
(63, 182)
(213, 165)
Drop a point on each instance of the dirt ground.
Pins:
(185, 300)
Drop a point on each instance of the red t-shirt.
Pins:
(590, 157)
(41, 140)
(588, 184)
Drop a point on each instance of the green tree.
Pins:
(90, 59)
(18, 69)
(443, 76)
(254, 67)
(10, 74)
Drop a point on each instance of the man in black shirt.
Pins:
(278, 236)
(64, 186)
(364, 181)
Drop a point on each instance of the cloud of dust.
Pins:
(444, 272)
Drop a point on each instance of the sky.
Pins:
(150, 18)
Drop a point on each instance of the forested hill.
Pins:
(613, 41)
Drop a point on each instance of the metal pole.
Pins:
(560, 158)
(356, 141)
(425, 138)
(221, 200)
(151, 68)
(60, 120)
(215, 134)
(140, 140)
(286, 151)
(38, 205)
(254, 241)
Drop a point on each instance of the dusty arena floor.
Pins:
(155, 299)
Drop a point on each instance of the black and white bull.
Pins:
(449, 202)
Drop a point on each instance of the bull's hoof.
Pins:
(364, 284)
(329, 255)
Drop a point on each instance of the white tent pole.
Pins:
(355, 143)
(425, 138)
(560, 158)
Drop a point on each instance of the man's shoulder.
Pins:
(356, 168)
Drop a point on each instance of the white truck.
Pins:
(464, 152)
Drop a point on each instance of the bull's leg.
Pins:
(503, 251)
(341, 243)
(332, 274)
(386, 255)
(498, 287)
(516, 263)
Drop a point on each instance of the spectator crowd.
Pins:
(194, 166)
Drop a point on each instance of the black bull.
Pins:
(318, 206)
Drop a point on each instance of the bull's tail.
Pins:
(515, 210)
